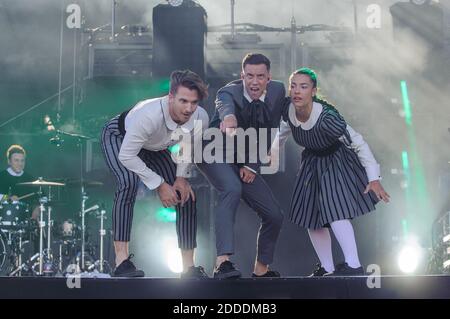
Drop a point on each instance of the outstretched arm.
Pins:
(369, 163)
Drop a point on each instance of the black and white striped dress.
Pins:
(331, 181)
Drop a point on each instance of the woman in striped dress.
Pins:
(339, 178)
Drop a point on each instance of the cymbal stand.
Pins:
(42, 201)
(60, 259)
(19, 259)
(102, 232)
(49, 225)
(84, 197)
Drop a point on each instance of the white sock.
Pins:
(321, 241)
(343, 230)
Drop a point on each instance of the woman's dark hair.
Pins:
(313, 76)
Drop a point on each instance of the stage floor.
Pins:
(435, 287)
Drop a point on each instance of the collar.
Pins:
(247, 96)
(170, 123)
(313, 117)
(11, 172)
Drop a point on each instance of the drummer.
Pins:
(14, 174)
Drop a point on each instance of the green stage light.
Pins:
(166, 215)
(406, 103)
(174, 149)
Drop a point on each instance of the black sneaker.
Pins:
(127, 269)
(226, 270)
(194, 273)
(268, 274)
(343, 269)
(320, 272)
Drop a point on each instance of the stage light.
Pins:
(48, 122)
(175, 3)
(446, 238)
(446, 264)
(172, 255)
(409, 256)
(174, 149)
(166, 215)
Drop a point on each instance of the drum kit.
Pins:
(34, 245)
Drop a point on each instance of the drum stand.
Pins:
(19, 264)
(48, 256)
(84, 197)
(102, 234)
(42, 201)
(49, 267)
(102, 231)
(83, 213)
(49, 226)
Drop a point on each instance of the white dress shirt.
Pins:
(358, 144)
(247, 96)
(149, 126)
(11, 172)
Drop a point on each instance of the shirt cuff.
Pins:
(250, 169)
(373, 172)
(228, 115)
(154, 183)
(183, 170)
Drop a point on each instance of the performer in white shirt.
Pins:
(339, 178)
(135, 147)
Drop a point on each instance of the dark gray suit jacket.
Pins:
(231, 96)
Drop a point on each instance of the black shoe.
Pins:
(268, 274)
(127, 269)
(343, 269)
(320, 272)
(226, 270)
(194, 273)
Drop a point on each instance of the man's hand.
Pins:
(377, 188)
(247, 176)
(229, 125)
(274, 158)
(182, 185)
(167, 195)
(14, 198)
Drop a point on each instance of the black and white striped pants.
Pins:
(127, 185)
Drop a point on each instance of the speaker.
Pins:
(179, 38)
(425, 21)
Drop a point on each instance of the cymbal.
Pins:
(86, 183)
(41, 182)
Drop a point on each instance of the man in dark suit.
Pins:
(253, 102)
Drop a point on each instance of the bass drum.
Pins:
(13, 215)
(5, 256)
(67, 231)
